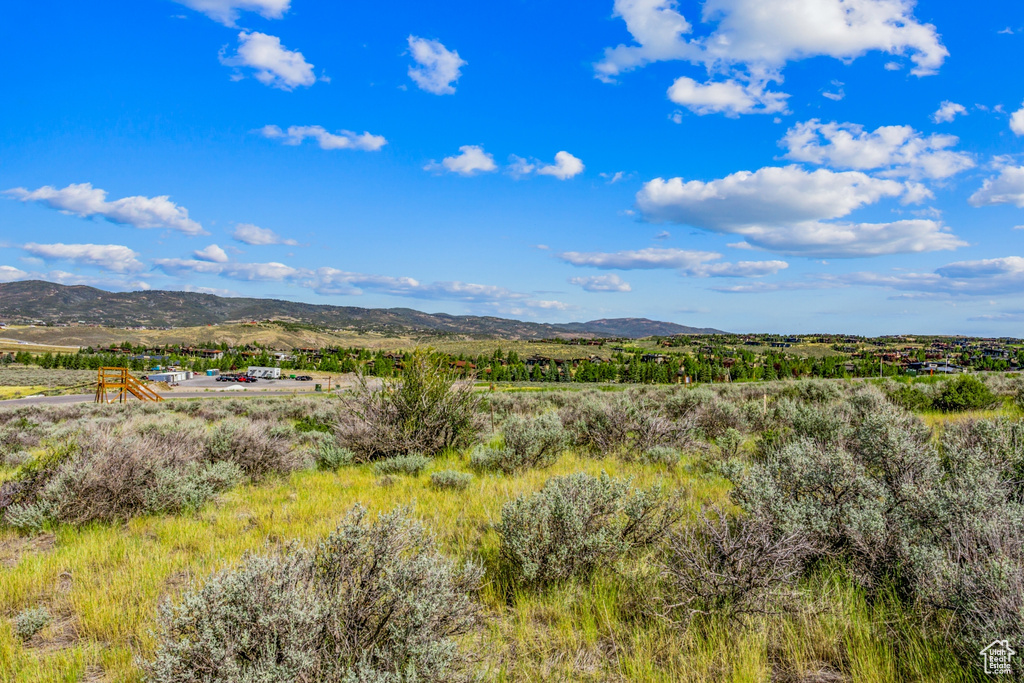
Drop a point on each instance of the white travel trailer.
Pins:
(263, 373)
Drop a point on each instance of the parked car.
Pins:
(304, 378)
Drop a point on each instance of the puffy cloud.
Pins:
(1017, 121)
(602, 283)
(1005, 188)
(82, 199)
(784, 209)
(247, 233)
(343, 139)
(686, 262)
(899, 150)
(726, 97)
(226, 11)
(982, 277)
(472, 159)
(11, 274)
(948, 111)
(212, 253)
(566, 166)
(272, 63)
(437, 68)
(762, 35)
(113, 257)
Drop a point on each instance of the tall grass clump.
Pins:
(375, 601)
(426, 410)
(578, 523)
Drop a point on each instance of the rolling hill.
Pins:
(35, 300)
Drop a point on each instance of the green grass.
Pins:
(103, 584)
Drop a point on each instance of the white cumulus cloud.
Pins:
(227, 11)
(212, 253)
(471, 160)
(82, 199)
(948, 111)
(727, 97)
(247, 233)
(271, 62)
(896, 150)
(786, 210)
(437, 68)
(1007, 187)
(749, 42)
(343, 139)
(113, 257)
(1017, 122)
(602, 283)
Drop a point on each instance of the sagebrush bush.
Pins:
(258, 448)
(451, 479)
(373, 602)
(102, 474)
(733, 566)
(328, 454)
(426, 410)
(577, 523)
(411, 464)
(910, 397)
(629, 421)
(528, 442)
(31, 621)
(661, 455)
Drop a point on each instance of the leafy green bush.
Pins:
(426, 410)
(31, 621)
(451, 479)
(373, 602)
(411, 465)
(966, 392)
(628, 421)
(577, 523)
(910, 397)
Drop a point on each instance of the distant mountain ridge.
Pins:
(54, 303)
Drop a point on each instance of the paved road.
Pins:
(89, 398)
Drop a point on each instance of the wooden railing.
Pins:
(119, 380)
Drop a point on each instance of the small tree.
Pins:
(965, 393)
(426, 410)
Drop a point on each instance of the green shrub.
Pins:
(329, 455)
(373, 602)
(404, 464)
(577, 523)
(529, 442)
(535, 442)
(450, 479)
(910, 398)
(625, 421)
(426, 410)
(30, 622)
(966, 392)
(730, 442)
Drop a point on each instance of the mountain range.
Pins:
(35, 300)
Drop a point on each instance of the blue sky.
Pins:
(751, 165)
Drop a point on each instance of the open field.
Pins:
(101, 577)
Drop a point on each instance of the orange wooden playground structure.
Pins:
(119, 380)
